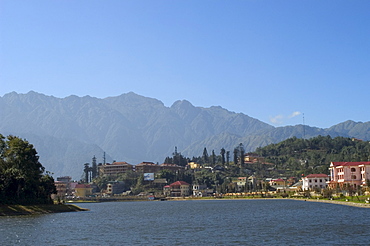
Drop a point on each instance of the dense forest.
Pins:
(22, 178)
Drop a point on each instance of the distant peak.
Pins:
(182, 104)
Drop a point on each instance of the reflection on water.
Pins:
(211, 222)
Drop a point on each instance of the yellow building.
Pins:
(83, 190)
(194, 165)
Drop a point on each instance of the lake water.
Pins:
(204, 222)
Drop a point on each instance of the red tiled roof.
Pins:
(350, 163)
(179, 183)
(319, 175)
(277, 180)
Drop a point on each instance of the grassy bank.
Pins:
(14, 210)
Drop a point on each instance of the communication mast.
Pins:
(304, 128)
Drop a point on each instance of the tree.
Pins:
(235, 156)
(21, 174)
(205, 156)
(223, 156)
(213, 158)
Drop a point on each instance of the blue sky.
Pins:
(272, 60)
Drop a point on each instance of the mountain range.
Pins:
(68, 132)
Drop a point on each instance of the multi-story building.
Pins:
(354, 174)
(171, 167)
(147, 167)
(115, 168)
(177, 189)
(315, 181)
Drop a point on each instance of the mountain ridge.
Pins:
(134, 128)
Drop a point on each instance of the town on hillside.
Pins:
(147, 180)
(318, 167)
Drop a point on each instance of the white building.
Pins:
(315, 181)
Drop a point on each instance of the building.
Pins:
(354, 174)
(253, 158)
(147, 167)
(61, 188)
(315, 181)
(241, 183)
(171, 167)
(115, 169)
(115, 187)
(201, 190)
(194, 165)
(277, 182)
(177, 189)
(83, 190)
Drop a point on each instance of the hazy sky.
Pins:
(272, 60)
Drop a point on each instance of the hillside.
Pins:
(297, 156)
(68, 132)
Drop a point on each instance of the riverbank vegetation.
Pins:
(22, 177)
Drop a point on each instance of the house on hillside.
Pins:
(115, 169)
(315, 181)
(354, 174)
(171, 167)
(277, 182)
(177, 189)
(147, 167)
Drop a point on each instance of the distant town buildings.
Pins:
(117, 168)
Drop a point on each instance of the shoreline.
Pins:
(349, 203)
(18, 210)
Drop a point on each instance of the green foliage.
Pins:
(304, 156)
(21, 174)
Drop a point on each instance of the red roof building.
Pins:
(177, 189)
(353, 174)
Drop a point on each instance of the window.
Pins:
(320, 180)
(315, 180)
(309, 180)
(353, 169)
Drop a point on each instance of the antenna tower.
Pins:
(304, 128)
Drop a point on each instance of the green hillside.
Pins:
(295, 156)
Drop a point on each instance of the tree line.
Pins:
(22, 177)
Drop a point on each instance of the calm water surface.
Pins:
(213, 222)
